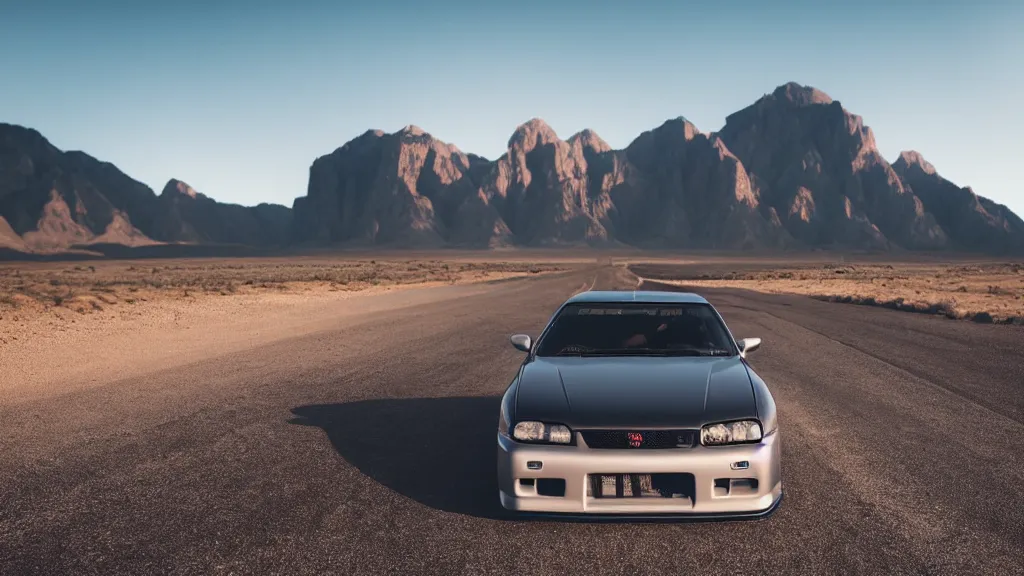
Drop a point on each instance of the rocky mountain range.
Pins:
(52, 200)
(793, 170)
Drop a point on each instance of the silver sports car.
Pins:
(638, 403)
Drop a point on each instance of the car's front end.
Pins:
(640, 472)
(638, 408)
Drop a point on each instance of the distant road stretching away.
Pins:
(369, 449)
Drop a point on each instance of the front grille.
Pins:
(639, 439)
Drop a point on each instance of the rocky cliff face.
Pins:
(540, 189)
(970, 221)
(185, 215)
(405, 188)
(543, 191)
(686, 189)
(52, 200)
(794, 169)
(817, 166)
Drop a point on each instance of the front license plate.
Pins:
(623, 486)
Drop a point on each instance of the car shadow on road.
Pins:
(440, 452)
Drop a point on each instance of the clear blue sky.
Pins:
(238, 99)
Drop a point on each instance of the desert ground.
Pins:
(982, 291)
(122, 317)
(336, 414)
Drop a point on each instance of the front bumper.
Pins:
(733, 495)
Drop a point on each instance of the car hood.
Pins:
(610, 392)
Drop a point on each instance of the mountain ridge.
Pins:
(53, 200)
(793, 170)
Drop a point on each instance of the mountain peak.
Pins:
(531, 134)
(412, 130)
(910, 158)
(589, 139)
(801, 95)
(177, 187)
(679, 125)
(7, 128)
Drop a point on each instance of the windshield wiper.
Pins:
(574, 350)
(715, 352)
(692, 351)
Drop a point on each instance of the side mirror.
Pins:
(748, 345)
(522, 342)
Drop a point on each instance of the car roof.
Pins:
(647, 296)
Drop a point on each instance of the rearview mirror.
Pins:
(748, 345)
(522, 342)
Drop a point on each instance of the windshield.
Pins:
(637, 329)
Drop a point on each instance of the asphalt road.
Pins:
(369, 449)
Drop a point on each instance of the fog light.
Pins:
(740, 465)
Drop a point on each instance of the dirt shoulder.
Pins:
(983, 292)
(85, 288)
(66, 327)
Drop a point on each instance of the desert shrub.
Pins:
(948, 308)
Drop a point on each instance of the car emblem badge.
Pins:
(635, 439)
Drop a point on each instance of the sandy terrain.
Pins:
(69, 326)
(984, 292)
(92, 287)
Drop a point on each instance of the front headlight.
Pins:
(741, 432)
(541, 432)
